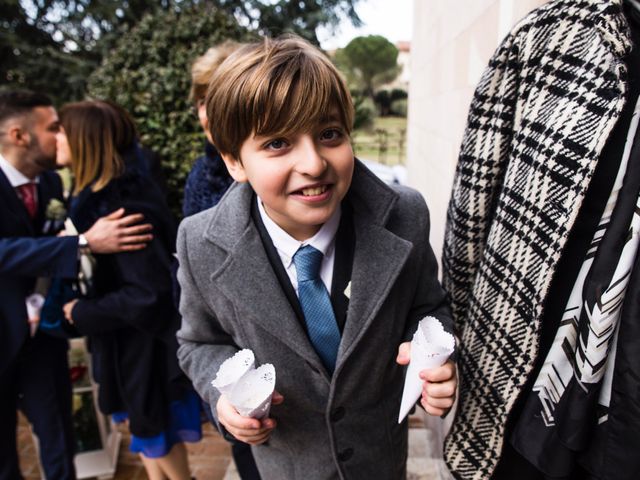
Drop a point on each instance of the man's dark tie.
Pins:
(27, 192)
(316, 305)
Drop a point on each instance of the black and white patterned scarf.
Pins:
(573, 388)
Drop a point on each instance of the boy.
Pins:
(314, 264)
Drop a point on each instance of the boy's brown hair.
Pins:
(274, 88)
(98, 132)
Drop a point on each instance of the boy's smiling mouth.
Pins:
(313, 191)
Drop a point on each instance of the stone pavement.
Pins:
(210, 459)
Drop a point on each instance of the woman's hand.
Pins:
(68, 310)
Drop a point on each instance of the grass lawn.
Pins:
(384, 142)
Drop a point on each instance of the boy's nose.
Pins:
(310, 161)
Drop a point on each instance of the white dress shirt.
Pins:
(287, 246)
(15, 176)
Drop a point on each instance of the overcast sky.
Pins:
(390, 18)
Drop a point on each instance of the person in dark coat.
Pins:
(208, 179)
(541, 252)
(130, 318)
(34, 372)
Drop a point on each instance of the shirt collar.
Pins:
(287, 246)
(15, 176)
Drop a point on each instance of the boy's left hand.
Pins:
(439, 384)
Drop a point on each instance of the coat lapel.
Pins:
(248, 278)
(378, 259)
(16, 207)
(45, 193)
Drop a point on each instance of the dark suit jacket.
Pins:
(131, 320)
(339, 426)
(27, 251)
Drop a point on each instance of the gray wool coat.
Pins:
(344, 426)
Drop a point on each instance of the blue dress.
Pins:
(184, 425)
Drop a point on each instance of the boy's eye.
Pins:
(277, 144)
(331, 134)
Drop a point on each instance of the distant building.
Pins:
(404, 57)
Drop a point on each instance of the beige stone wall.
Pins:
(452, 43)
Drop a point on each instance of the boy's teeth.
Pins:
(308, 192)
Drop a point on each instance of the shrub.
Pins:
(398, 94)
(148, 73)
(383, 102)
(399, 107)
(364, 111)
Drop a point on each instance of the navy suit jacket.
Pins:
(27, 250)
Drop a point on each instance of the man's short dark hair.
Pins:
(19, 102)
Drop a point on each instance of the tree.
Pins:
(368, 62)
(53, 45)
(148, 73)
(31, 57)
(302, 17)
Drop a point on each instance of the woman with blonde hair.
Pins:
(209, 179)
(130, 318)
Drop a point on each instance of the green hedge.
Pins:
(148, 73)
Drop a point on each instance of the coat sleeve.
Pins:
(430, 299)
(142, 298)
(483, 159)
(203, 343)
(39, 257)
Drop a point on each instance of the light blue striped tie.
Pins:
(316, 305)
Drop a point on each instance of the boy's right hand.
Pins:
(246, 429)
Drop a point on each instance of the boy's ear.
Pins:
(236, 170)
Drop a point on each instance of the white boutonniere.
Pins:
(54, 215)
(55, 211)
(347, 291)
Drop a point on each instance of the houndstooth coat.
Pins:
(538, 122)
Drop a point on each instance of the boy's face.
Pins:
(301, 179)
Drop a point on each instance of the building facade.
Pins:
(452, 43)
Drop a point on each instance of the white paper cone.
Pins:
(251, 396)
(232, 370)
(34, 302)
(431, 347)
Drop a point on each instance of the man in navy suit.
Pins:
(34, 374)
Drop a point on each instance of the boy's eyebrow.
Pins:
(330, 118)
